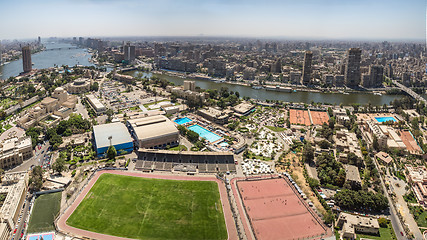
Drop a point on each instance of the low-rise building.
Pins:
(14, 186)
(347, 142)
(352, 176)
(80, 85)
(96, 104)
(351, 224)
(214, 115)
(48, 108)
(14, 150)
(112, 134)
(243, 109)
(384, 157)
(417, 177)
(156, 132)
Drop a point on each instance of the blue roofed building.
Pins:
(115, 134)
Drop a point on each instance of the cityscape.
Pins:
(216, 120)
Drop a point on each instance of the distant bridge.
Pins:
(61, 48)
(409, 91)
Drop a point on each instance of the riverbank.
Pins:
(47, 59)
(270, 86)
(245, 90)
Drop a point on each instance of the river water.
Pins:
(49, 58)
(296, 97)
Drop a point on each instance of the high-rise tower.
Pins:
(26, 58)
(352, 69)
(306, 69)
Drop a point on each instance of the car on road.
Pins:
(401, 233)
(15, 230)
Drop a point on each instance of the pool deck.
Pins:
(364, 117)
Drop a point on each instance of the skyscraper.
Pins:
(306, 69)
(352, 69)
(39, 40)
(26, 58)
(376, 73)
(129, 52)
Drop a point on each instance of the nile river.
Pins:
(296, 97)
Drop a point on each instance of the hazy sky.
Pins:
(313, 19)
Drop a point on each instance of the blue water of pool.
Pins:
(204, 133)
(181, 121)
(224, 144)
(385, 119)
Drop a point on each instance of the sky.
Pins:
(291, 19)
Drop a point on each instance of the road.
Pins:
(395, 221)
(398, 186)
(36, 160)
(80, 108)
(24, 215)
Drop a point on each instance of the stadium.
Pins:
(185, 161)
(130, 205)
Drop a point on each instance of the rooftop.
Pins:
(117, 131)
(147, 128)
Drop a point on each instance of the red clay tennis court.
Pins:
(276, 212)
(409, 141)
(318, 117)
(298, 116)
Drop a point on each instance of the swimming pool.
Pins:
(385, 119)
(204, 133)
(181, 121)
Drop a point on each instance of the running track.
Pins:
(62, 222)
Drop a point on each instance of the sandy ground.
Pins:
(296, 169)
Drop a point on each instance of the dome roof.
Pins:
(59, 89)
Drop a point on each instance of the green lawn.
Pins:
(145, 208)
(385, 234)
(276, 129)
(153, 103)
(46, 208)
(422, 219)
(178, 148)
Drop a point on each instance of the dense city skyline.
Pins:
(349, 20)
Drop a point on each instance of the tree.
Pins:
(329, 170)
(192, 136)
(59, 165)
(330, 112)
(36, 179)
(308, 153)
(182, 130)
(383, 222)
(331, 123)
(324, 144)
(94, 87)
(375, 143)
(353, 159)
(111, 153)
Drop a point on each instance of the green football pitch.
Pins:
(147, 208)
(46, 208)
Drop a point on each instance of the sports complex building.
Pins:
(155, 132)
(114, 134)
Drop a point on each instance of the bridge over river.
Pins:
(409, 91)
